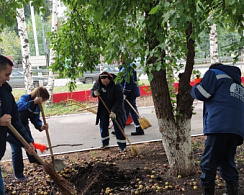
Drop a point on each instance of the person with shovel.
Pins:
(28, 107)
(131, 91)
(110, 98)
(9, 113)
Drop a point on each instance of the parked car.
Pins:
(17, 80)
(90, 77)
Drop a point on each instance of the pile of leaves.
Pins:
(106, 171)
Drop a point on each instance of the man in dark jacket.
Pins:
(131, 91)
(8, 112)
(223, 121)
(111, 94)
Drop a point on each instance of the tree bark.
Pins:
(25, 50)
(50, 85)
(174, 127)
(213, 36)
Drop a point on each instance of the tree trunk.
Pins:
(174, 125)
(213, 36)
(34, 28)
(25, 50)
(50, 85)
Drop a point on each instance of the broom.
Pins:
(143, 121)
(64, 187)
(134, 149)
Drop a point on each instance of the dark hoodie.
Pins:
(8, 106)
(223, 97)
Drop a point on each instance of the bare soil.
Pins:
(106, 171)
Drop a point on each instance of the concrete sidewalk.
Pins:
(80, 129)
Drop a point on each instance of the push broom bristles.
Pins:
(63, 185)
(144, 123)
(135, 150)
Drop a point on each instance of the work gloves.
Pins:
(112, 115)
(96, 93)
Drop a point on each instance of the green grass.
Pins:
(61, 108)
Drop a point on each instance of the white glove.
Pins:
(124, 96)
(112, 115)
(96, 93)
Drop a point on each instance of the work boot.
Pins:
(232, 188)
(209, 189)
(138, 131)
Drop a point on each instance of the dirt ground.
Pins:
(106, 171)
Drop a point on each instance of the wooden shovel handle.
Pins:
(115, 120)
(22, 140)
(47, 133)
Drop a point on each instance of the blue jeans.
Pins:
(2, 188)
(220, 150)
(17, 157)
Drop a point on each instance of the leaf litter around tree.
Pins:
(106, 171)
(101, 172)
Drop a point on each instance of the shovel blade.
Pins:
(58, 165)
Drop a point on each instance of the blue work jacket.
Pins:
(223, 96)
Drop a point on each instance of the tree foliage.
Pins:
(10, 43)
(8, 10)
(160, 33)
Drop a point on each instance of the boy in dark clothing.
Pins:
(8, 112)
(223, 121)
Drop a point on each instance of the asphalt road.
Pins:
(80, 130)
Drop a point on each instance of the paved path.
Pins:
(81, 129)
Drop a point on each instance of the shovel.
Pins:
(58, 164)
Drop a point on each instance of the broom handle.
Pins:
(115, 120)
(132, 107)
(47, 133)
(22, 140)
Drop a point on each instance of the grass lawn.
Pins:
(61, 109)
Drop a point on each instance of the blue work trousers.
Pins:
(2, 188)
(17, 157)
(130, 111)
(104, 123)
(220, 150)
